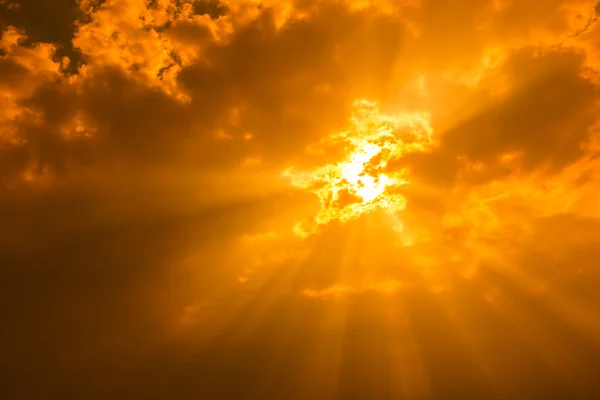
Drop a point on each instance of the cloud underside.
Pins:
(299, 199)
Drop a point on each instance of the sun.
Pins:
(365, 186)
(365, 179)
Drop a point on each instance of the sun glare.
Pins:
(365, 179)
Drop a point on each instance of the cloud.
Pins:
(527, 128)
(384, 287)
(152, 245)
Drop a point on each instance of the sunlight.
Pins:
(365, 179)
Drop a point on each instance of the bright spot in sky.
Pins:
(364, 179)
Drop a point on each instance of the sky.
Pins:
(300, 199)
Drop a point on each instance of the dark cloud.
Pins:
(212, 8)
(535, 119)
(293, 85)
(532, 121)
(287, 90)
(53, 21)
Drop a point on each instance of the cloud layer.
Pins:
(154, 243)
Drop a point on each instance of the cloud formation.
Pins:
(299, 199)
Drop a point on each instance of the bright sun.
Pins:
(363, 180)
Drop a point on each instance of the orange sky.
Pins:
(303, 199)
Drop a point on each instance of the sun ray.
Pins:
(365, 180)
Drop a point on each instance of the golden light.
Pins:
(427, 227)
(364, 179)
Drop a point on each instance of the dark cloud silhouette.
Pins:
(33, 17)
(529, 121)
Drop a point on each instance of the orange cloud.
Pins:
(360, 182)
(386, 287)
(142, 145)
